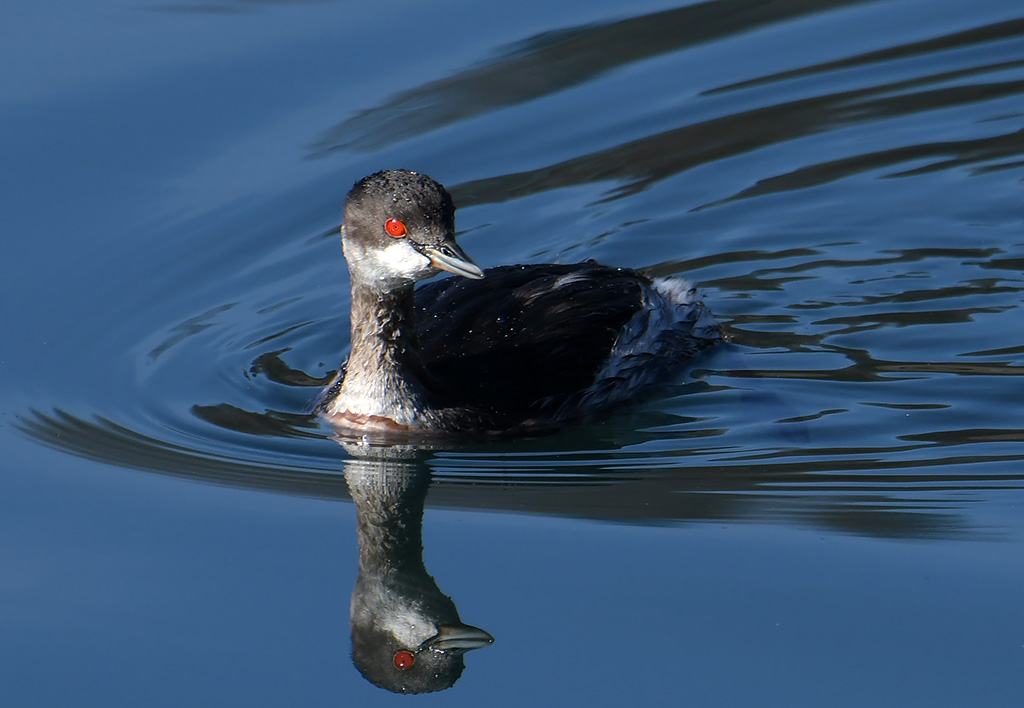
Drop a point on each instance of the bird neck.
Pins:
(383, 377)
(389, 503)
(383, 326)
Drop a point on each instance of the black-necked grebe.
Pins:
(525, 349)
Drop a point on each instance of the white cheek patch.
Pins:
(401, 259)
(408, 628)
(397, 260)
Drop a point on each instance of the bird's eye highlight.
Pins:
(403, 659)
(395, 228)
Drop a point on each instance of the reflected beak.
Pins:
(450, 257)
(458, 638)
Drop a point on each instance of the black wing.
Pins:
(524, 334)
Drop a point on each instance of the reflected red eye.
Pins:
(395, 228)
(403, 659)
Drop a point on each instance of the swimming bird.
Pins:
(516, 349)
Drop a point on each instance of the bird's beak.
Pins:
(450, 257)
(458, 637)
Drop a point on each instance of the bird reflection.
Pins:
(406, 634)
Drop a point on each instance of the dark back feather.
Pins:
(523, 334)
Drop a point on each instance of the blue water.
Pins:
(825, 510)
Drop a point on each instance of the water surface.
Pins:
(825, 509)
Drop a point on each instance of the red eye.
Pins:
(403, 659)
(395, 228)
